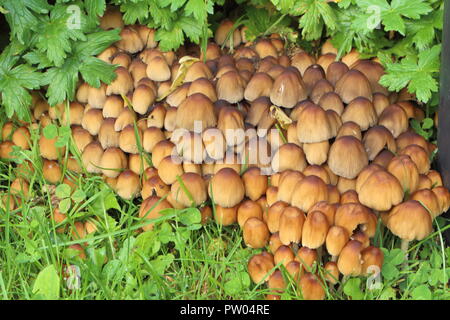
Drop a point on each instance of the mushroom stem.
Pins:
(343, 281)
(319, 253)
(334, 258)
(404, 247)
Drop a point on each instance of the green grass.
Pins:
(178, 259)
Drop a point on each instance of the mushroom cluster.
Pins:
(304, 153)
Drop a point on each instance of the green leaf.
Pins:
(418, 73)
(393, 14)
(190, 216)
(22, 17)
(352, 288)
(162, 262)
(64, 205)
(421, 292)
(78, 196)
(50, 131)
(14, 83)
(63, 191)
(236, 283)
(54, 37)
(315, 15)
(94, 71)
(47, 283)
(199, 9)
(134, 11)
(427, 123)
(95, 8)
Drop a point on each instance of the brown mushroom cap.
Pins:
(143, 98)
(406, 172)
(259, 267)
(225, 216)
(196, 71)
(315, 230)
(204, 86)
(230, 87)
(331, 272)
(256, 234)
(169, 168)
(336, 239)
(311, 76)
(288, 89)
(308, 192)
(307, 257)
(123, 84)
(290, 225)
(350, 128)
(380, 191)
(318, 171)
(196, 107)
(331, 101)
(192, 194)
(302, 61)
(226, 188)
(151, 208)
(316, 153)
(112, 162)
(255, 183)
(373, 259)
(408, 138)
(376, 139)
(429, 200)
(287, 183)
(248, 209)
(443, 196)
(410, 221)
(158, 69)
(351, 216)
(349, 261)
(419, 156)
(274, 214)
(360, 110)
(289, 157)
(128, 185)
(222, 37)
(130, 42)
(328, 209)
(352, 85)
(313, 125)
(373, 72)
(336, 70)
(311, 287)
(260, 85)
(394, 119)
(347, 157)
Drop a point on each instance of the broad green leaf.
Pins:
(47, 283)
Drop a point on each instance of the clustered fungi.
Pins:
(347, 160)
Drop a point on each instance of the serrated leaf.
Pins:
(199, 9)
(134, 11)
(14, 83)
(94, 71)
(95, 8)
(415, 72)
(22, 17)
